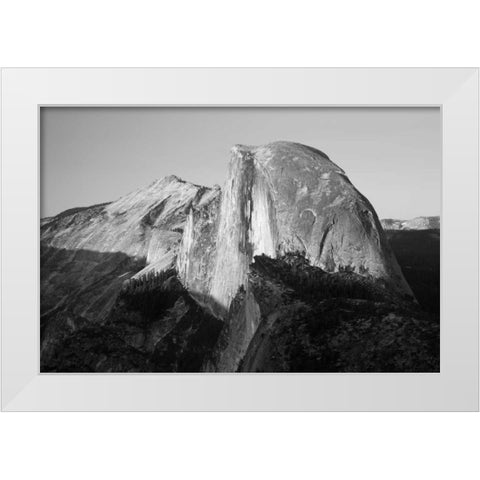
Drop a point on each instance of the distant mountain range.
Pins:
(417, 223)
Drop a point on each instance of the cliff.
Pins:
(146, 224)
(286, 197)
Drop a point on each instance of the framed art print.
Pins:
(240, 239)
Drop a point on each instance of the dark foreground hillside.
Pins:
(153, 326)
(313, 321)
(309, 321)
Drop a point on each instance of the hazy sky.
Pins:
(95, 155)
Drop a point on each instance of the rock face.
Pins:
(166, 274)
(286, 197)
(417, 223)
(145, 224)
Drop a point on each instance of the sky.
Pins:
(91, 155)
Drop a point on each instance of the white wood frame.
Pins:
(454, 388)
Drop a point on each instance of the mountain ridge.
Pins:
(417, 223)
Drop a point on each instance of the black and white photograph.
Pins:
(240, 239)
